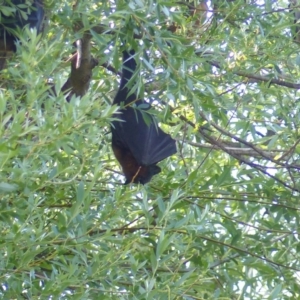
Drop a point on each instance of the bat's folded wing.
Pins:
(147, 142)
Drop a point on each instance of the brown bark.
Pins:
(82, 64)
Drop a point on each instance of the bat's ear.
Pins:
(151, 171)
(154, 169)
(127, 181)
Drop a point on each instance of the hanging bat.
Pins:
(137, 141)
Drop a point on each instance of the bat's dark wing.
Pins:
(147, 142)
(138, 143)
(34, 18)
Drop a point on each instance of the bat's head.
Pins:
(143, 174)
(133, 171)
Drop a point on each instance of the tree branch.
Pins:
(82, 64)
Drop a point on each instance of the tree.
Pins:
(220, 221)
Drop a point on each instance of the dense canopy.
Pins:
(221, 219)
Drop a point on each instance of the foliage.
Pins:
(219, 222)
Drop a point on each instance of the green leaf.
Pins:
(8, 187)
